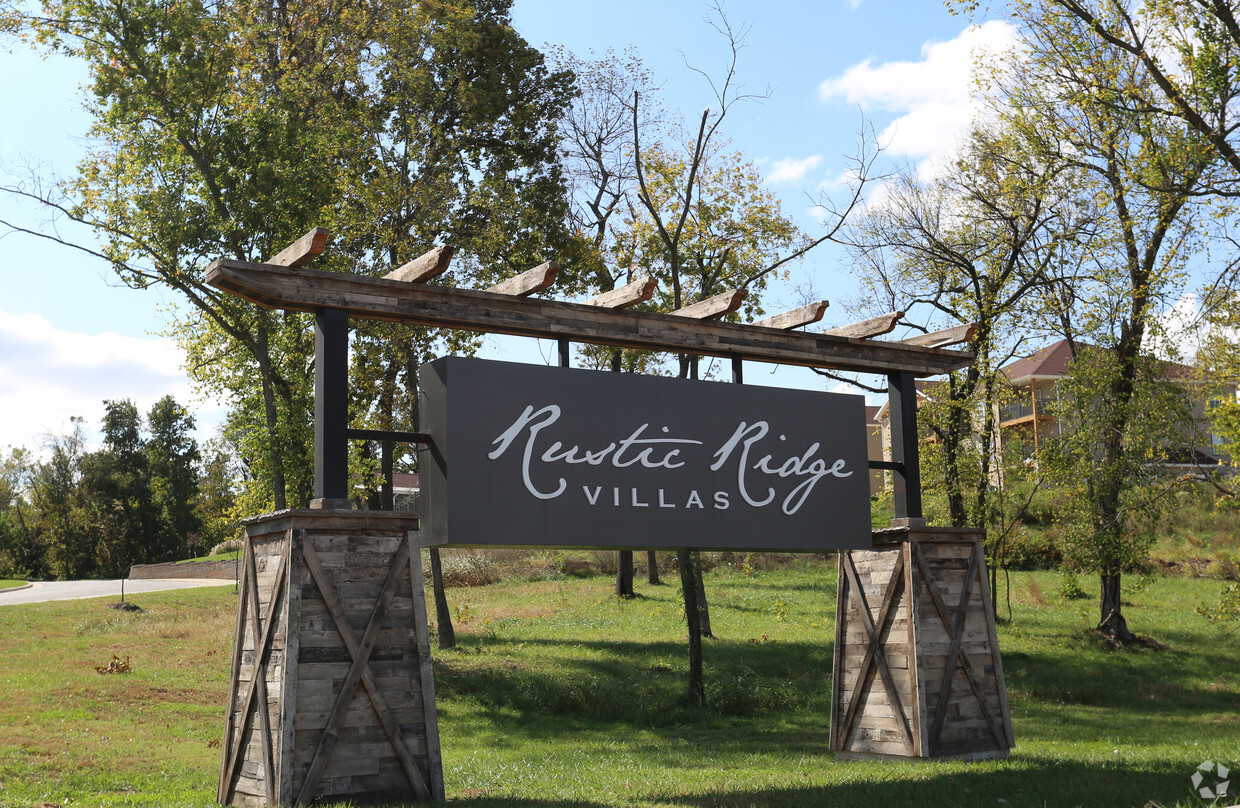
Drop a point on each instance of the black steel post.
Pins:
(902, 410)
(738, 370)
(331, 406)
(565, 351)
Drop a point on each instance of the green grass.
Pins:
(561, 695)
(10, 583)
(228, 556)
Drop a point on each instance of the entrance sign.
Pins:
(545, 456)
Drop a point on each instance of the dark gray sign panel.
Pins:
(525, 455)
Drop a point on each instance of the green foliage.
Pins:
(522, 722)
(81, 514)
(1069, 587)
(232, 129)
(1225, 613)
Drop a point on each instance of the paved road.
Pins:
(75, 590)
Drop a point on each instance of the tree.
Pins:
(972, 245)
(1071, 93)
(231, 129)
(55, 495)
(22, 552)
(173, 459)
(1185, 58)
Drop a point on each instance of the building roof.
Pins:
(871, 415)
(1053, 360)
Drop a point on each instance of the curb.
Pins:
(26, 585)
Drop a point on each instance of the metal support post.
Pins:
(906, 481)
(331, 406)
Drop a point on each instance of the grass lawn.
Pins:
(561, 696)
(9, 583)
(228, 556)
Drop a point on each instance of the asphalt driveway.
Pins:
(75, 590)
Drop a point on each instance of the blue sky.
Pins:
(70, 337)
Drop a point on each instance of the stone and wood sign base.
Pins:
(331, 696)
(917, 668)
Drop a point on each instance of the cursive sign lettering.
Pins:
(669, 452)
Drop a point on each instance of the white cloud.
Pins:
(931, 98)
(790, 170)
(48, 375)
(1177, 336)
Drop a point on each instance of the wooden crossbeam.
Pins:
(422, 304)
(257, 688)
(528, 282)
(801, 316)
(873, 327)
(874, 657)
(425, 267)
(628, 295)
(712, 307)
(359, 671)
(948, 336)
(954, 627)
(303, 250)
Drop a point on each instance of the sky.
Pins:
(72, 337)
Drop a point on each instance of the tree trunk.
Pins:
(652, 568)
(703, 608)
(688, 586)
(272, 418)
(1113, 625)
(443, 617)
(624, 573)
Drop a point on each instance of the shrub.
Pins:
(227, 546)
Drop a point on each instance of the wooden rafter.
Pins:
(864, 329)
(528, 282)
(628, 295)
(303, 250)
(425, 267)
(805, 315)
(712, 307)
(948, 336)
(473, 310)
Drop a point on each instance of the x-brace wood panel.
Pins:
(954, 625)
(873, 659)
(256, 696)
(359, 672)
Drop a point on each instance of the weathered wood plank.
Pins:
(713, 307)
(863, 329)
(303, 250)
(399, 564)
(630, 294)
(528, 282)
(425, 267)
(805, 315)
(470, 310)
(948, 336)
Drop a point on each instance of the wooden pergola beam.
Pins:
(425, 267)
(472, 310)
(713, 307)
(801, 316)
(303, 250)
(873, 327)
(948, 336)
(627, 295)
(528, 282)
